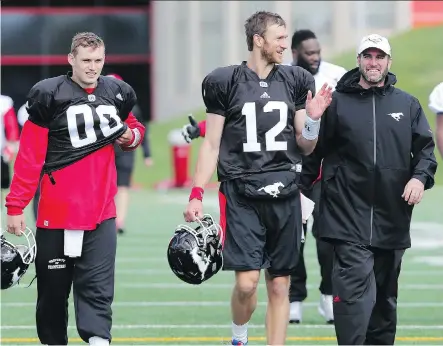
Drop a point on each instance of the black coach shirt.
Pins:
(79, 123)
(259, 134)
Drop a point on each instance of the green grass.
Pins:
(416, 62)
(144, 278)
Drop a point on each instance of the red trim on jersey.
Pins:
(27, 167)
(222, 204)
(115, 75)
(89, 90)
(319, 176)
(202, 127)
(133, 124)
(11, 125)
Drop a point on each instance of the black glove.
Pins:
(191, 131)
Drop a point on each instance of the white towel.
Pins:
(73, 243)
(307, 207)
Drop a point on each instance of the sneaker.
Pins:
(325, 308)
(238, 342)
(295, 312)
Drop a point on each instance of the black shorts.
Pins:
(260, 233)
(124, 162)
(5, 175)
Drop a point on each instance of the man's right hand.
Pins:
(16, 224)
(194, 210)
(191, 131)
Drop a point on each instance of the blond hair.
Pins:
(258, 23)
(86, 39)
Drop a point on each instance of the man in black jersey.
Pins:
(261, 119)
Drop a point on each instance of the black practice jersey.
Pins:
(259, 133)
(79, 123)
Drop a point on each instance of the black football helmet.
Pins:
(16, 258)
(195, 255)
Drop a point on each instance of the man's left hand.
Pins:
(315, 107)
(413, 192)
(191, 130)
(126, 137)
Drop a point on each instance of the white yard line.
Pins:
(181, 286)
(214, 303)
(311, 271)
(162, 259)
(218, 326)
(435, 261)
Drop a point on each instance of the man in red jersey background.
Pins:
(9, 135)
(74, 120)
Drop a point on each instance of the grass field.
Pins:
(152, 306)
(416, 62)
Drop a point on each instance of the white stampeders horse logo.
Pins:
(396, 116)
(273, 189)
(202, 263)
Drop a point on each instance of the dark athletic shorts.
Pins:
(6, 177)
(260, 232)
(124, 162)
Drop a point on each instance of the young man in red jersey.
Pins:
(74, 120)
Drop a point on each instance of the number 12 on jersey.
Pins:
(252, 144)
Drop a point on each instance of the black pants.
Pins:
(92, 276)
(298, 292)
(365, 289)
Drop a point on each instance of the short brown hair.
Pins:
(85, 39)
(258, 23)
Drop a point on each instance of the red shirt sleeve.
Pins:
(11, 125)
(202, 126)
(27, 168)
(138, 132)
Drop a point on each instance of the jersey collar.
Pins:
(254, 75)
(70, 80)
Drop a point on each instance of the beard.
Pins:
(268, 56)
(373, 80)
(304, 64)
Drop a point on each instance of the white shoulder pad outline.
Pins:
(436, 99)
(6, 103)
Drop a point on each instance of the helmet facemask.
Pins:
(16, 258)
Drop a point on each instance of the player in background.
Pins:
(83, 114)
(436, 105)
(9, 135)
(306, 52)
(125, 161)
(261, 119)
